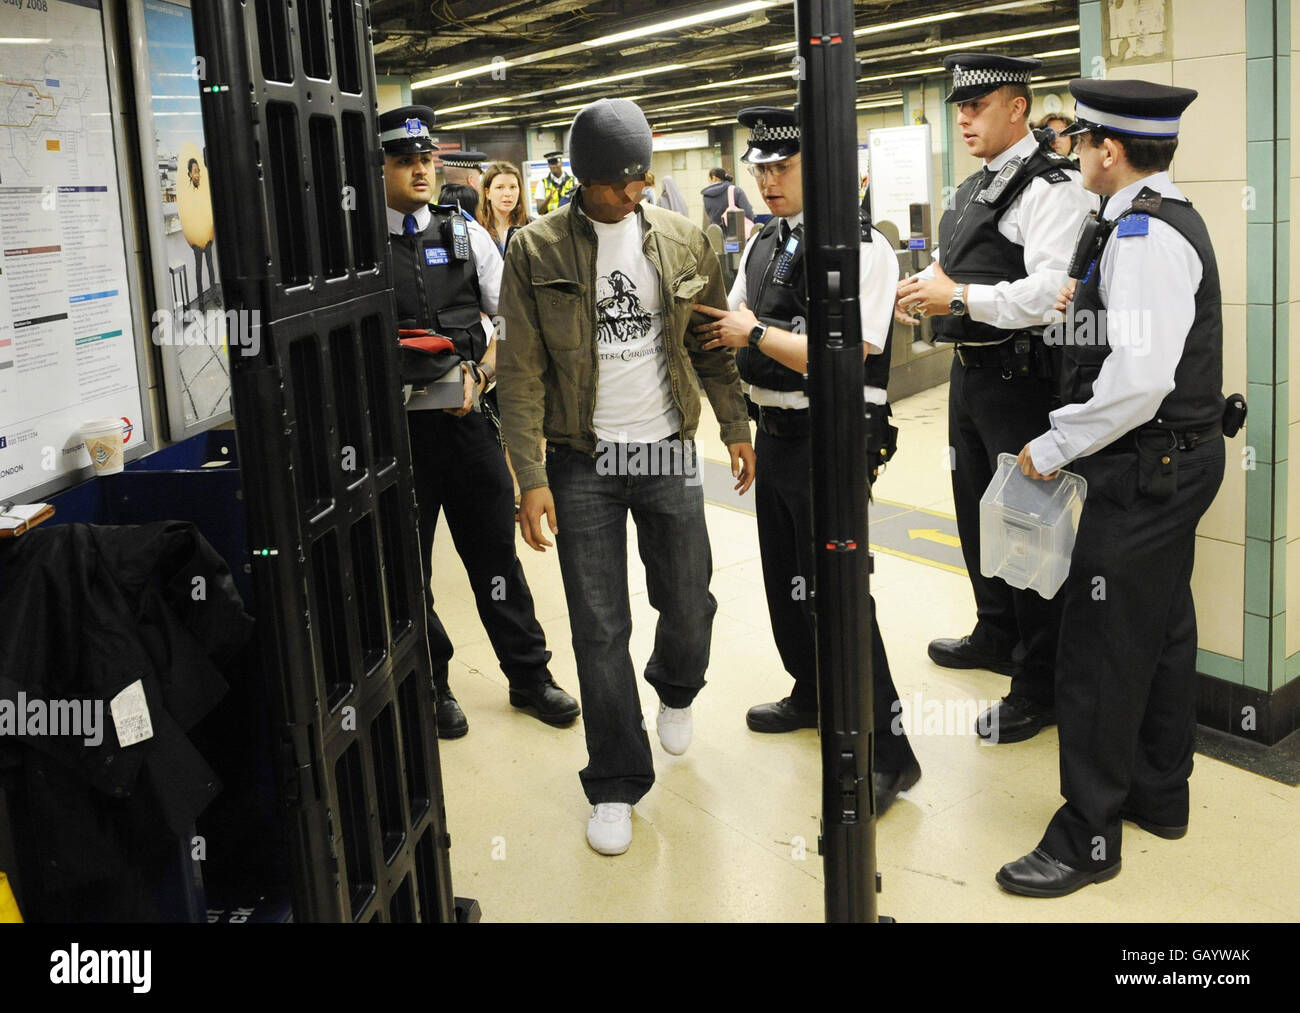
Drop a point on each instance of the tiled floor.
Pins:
(729, 831)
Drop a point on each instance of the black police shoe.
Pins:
(1165, 830)
(889, 783)
(1038, 874)
(962, 653)
(546, 702)
(1014, 718)
(782, 716)
(451, 719)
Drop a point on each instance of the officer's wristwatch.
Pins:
(957, 307)
(757, 333)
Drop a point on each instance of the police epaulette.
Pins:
(1147, 200)
(1057, 175)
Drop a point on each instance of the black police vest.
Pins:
(1196, 402)
(778, 306)
(436, 291)
(971, 249)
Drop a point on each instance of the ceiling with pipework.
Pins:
(533, 63)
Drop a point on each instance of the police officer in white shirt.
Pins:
(1143, 421)
(444, 290)
(1004, 247)
(769, 305)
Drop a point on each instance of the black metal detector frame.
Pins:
(289, 112)
(827, 71)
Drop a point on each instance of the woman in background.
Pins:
(503, 209)
(720, 194)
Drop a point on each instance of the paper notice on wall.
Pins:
(67, 346)
(1137, 28)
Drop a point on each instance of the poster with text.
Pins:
(67, 347)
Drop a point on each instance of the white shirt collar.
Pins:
(1023, 148)
(395, 219)
(1122, 199)
(793, 220)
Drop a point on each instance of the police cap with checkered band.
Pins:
(773, 134)
(974, 75)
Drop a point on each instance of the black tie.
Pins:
(783, 231)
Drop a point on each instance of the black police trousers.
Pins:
(783, 503)
(1126, 668)
(459, 469)
(990, 415)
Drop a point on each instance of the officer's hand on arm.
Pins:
(930, 297)
(533, 505)
(743, 463)
(730, 327)
(467, 387)
(1026, 462)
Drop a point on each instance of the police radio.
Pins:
(1087, 246)
(786, 256)
(458, 239)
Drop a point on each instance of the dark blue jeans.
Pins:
(592, 501)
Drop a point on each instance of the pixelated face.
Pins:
(611, 201)
(408, 180)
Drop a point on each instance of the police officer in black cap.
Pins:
(769, 304)
(464, 167)
(1004, 246)
(1142, 419)
(446, 278)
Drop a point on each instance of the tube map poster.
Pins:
(67, 346)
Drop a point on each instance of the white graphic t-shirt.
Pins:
(634, 401)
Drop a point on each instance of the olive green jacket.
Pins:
(547, 359)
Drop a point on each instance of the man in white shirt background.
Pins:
(1004, 248)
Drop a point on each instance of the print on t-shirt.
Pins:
(619, 312)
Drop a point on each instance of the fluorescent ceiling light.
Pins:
(457, 75)
(905, 73)
(998, 39)
(32, 42)
(1057, 52)
(656, 125)
(475, 105)
(664, 69)
(882, 104)
(675, 23)
(710, 101)
(929, 19)
(464, 124)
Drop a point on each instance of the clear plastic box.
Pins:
(1027, 527)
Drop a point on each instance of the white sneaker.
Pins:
(609, 830)
(675, 727)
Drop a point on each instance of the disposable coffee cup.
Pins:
(104, 444)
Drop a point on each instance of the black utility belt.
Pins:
(786, 423)
(1158, 452)
(1022, 354)
(1159, 438)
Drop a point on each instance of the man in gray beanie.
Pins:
(603, 366)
